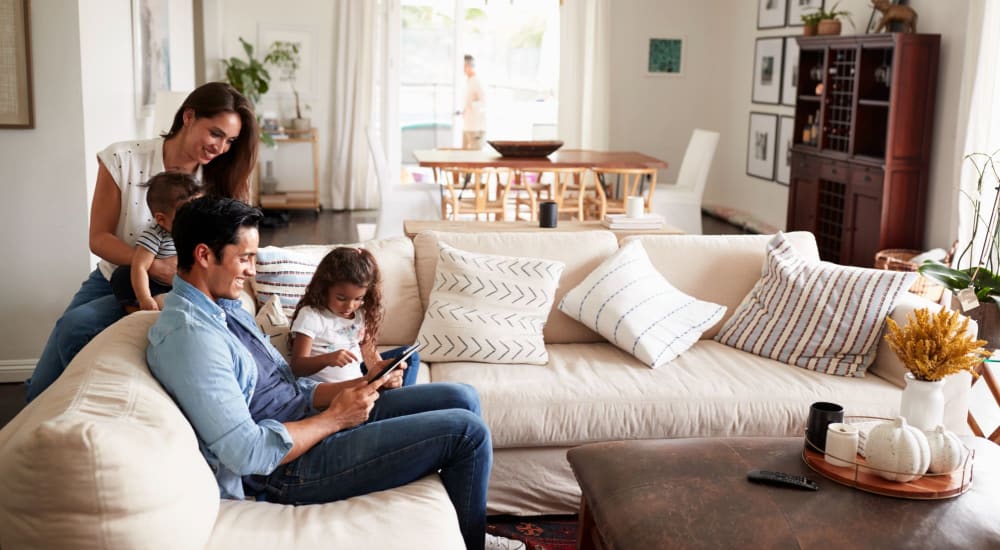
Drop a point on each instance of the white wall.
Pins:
(225, 21)
(43, 236)
(656, 115)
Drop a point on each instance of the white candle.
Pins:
(634, 207)
(841, 444)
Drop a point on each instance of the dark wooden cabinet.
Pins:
(862, 142)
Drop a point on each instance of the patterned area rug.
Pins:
(537, 532)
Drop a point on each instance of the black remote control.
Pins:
(783, 479)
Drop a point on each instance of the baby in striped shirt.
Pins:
(131, 284)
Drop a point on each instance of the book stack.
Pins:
(621, 221)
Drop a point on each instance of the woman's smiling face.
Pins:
(210, 137)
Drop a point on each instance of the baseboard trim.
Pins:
(17, 370)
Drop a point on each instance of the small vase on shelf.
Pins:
(269, 183)
(922, 403)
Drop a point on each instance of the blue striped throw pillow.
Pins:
(282, 273)
(815, 315)
(627, 301)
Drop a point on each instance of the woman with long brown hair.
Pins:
(214, 136)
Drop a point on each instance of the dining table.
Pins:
(563, 158)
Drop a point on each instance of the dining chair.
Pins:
(613, 187)
(476, 191)
(680, 203)
(563, 186)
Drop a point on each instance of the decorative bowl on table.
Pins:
(525, 148)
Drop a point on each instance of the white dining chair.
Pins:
(396, 200)
(680, 203)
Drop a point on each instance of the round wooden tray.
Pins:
(863, 477)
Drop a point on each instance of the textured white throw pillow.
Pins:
(815, 315)
(627, 301)
(488, 309)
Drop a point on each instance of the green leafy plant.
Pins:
(978, 262)
(285, 56)
(248, 76)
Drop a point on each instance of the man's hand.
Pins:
(351, 407)
(339, 358)
(390, 381)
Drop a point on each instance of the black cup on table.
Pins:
(821, 415)
(548, 214)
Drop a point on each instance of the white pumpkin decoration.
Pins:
(898, 451)
(946, 450)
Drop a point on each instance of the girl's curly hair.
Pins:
(356, 266)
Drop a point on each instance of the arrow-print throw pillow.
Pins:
(488, 309)
(627, 301)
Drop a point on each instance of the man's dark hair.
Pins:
(166, 189)
(470, 61)
(212, 221)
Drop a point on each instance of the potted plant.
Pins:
(826, 22)
(285, 56)
(974, 275)
(251, 79)
(932, 346)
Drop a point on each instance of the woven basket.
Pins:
(898, 259)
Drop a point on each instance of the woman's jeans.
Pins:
(92, 309)
(412, 432)
(412, 364)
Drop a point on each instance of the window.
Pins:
(516, 47)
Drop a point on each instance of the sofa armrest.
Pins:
(957, 387)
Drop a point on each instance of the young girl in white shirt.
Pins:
(336, 323)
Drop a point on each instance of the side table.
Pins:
(693, 493)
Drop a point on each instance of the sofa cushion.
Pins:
(393, 519)
(273, 322)
(104, 459)
(628, 302)
(597, 392)
(285, 272)
(580, 251)
(488, 308)
(716, 268)
(815, 315)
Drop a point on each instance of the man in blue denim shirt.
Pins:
(297, 441)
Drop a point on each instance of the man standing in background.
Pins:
(474, 113)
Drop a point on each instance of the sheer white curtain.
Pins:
(584, 73)
(983, 131)
(353, 184)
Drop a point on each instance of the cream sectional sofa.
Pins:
(105, 459)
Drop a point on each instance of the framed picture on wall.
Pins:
(761, 140)
(16, 96)
(797, 8)
(790, 71)
(783, 156)
(767, 70)
(771, 13)
(666, 57)
(150, 52)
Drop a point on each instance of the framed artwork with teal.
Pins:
(666, 57)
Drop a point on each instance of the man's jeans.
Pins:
(412, 432)
(92, 310)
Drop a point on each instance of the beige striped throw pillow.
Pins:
(815, 315)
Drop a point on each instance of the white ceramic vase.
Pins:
(922, 403)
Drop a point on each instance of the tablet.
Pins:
(399, 361)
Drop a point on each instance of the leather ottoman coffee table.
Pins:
(694, 493)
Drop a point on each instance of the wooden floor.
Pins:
(303, 228)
